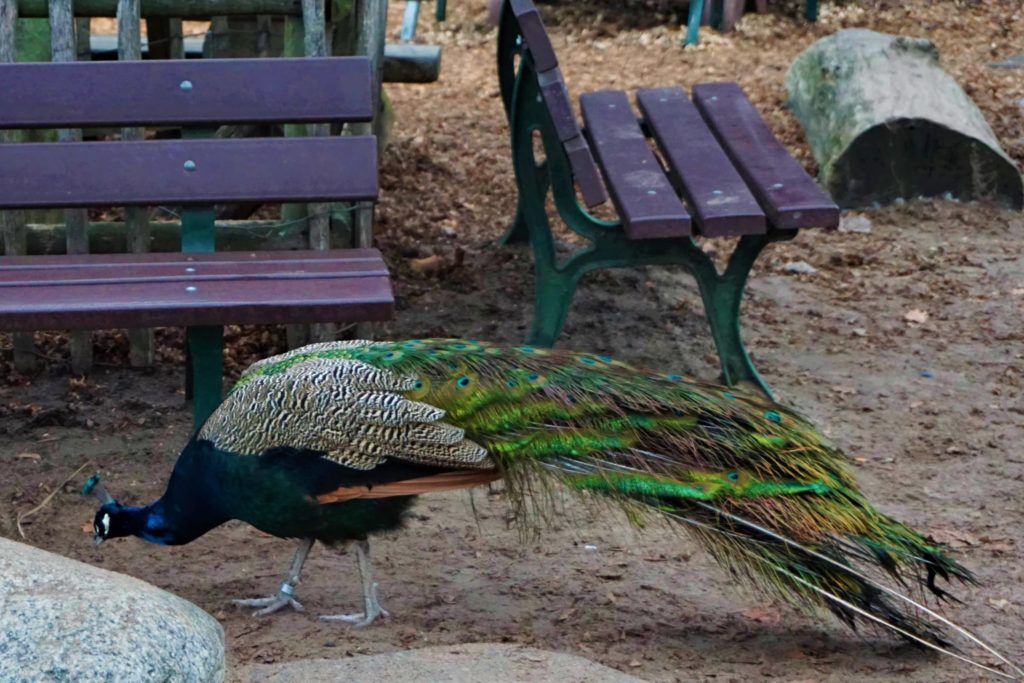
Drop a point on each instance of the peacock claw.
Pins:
(362, 619)
(271, 604)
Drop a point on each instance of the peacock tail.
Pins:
(753, 481)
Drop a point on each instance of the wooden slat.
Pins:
(534, 34)
(157, 172)
(141, 347)
(12, 223)
(699, 168)
(584, 170)
(353, 291)
(184, 260)
(789, 196)
(63, 50)
(643, 195)
(556, 98)
(186, 92)
(143, 272)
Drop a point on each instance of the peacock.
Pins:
(333, 441)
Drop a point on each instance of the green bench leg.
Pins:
(722, 295)
(553, 296)
(518, 232)
(811, 10)
(205, 371)
(441, 9)
(693, 22)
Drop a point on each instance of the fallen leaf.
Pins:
(28, 456)
(763, 615)
(998, 603)
(955, 538)
(428, 265)
(916, 315)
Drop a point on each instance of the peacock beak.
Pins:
(97, 540)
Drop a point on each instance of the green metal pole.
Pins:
(204, 381)
(693, 22)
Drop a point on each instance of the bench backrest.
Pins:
(187, 93)
(556, 98)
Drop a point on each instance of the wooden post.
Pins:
(165, 38)
(62, 46)
(83, 33)
(314, 26)
(129, 48)
(12, 223)
(294, 46)
(373, 17)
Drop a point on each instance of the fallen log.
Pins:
(886, 122)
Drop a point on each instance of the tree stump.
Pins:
(886, 122)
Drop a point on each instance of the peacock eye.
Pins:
(462, 382)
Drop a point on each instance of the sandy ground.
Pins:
(906, 347)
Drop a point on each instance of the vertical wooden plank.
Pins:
(314, 32)
(12, 223)
(83, 31)
(372, 26)
(294, 46)
(62, 46)
(264, 30)
(136, 218)
(165, 38)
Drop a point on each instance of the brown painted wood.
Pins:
(534, 34)
(789, 196)
(643, 195)
(699, 168)
(584, 170)
(89, 292)
(215, 91)
(556, 98)
(156, 172)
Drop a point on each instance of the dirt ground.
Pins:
(906, 347)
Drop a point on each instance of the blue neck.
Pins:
(187, 510)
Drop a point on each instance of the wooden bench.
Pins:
(197, 288)
(718, 172)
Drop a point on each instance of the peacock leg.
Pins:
(285, 594)
(371, 608)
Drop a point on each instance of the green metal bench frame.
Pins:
(608, 247)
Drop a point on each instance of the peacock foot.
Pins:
(273, 603)
(373, 610)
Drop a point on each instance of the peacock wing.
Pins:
(351, 411)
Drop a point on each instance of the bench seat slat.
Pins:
(95, 261)
(217, 91)
(787, 194)
(699, 168)
(155, 172)
(140, 273)
(248, 298)
(642, 194)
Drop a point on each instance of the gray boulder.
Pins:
(62, 620)
(469, 663)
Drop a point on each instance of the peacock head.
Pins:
(108, 522)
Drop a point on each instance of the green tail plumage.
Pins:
(755, 483)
